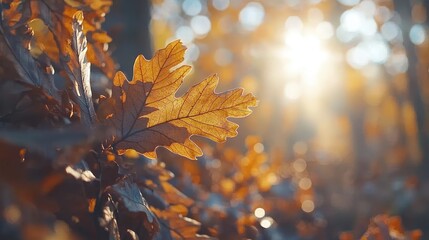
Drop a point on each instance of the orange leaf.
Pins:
(146, 114)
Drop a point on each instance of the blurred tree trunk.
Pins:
(404, 8)
(426, 5)
(129, 25)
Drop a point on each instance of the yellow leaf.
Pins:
(146, 114)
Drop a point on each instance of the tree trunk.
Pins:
(129, 25)
(404, 7)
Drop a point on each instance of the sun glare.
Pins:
(306, 54)
(306, 57)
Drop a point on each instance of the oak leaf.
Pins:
(146, 114)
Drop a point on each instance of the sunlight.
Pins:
(306, 55)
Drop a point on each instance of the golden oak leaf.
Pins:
(146, 114)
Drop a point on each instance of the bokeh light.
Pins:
(259, 213)
(305, 183)
(221, 4)
(417, 34)
(191, 7)
(300, 165)
(307, 206)
(267, 222)
(252, 15)
(201, 25)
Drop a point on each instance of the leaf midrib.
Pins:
(185, 117)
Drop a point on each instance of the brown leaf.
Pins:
(36, 34)
(124, 209)
(57, 15)
(175, 226)
(29, 70)
(146, 114)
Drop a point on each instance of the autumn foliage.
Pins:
(170, 121)
(87, 152)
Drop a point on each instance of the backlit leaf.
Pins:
(146, 114)
(79, 69)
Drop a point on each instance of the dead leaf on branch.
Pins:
(40, 36)
(57, 16)
(146, 114)
(29, 70)
(124, 208)
(153, 180)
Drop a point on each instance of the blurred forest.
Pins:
(338, 147)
